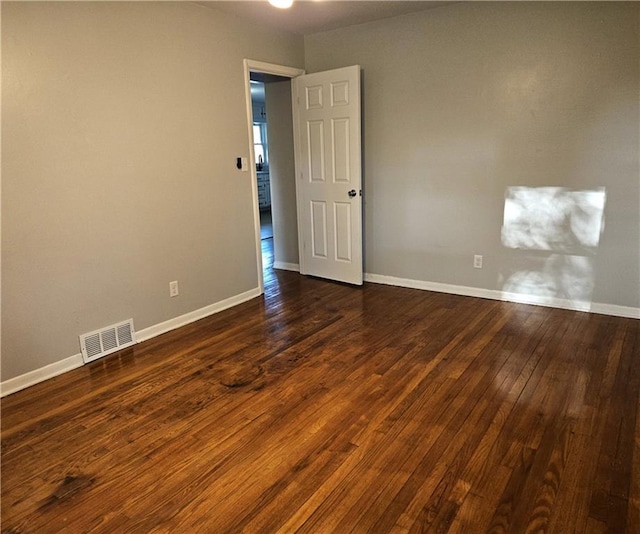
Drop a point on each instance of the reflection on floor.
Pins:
(267, 255)
(270, 276)
(266, 225)
(325, 408)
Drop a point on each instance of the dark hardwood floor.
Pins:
(324, 408)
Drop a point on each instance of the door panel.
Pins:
(329, 174)
(314, 97)
(340, 146)
(316, 150)
(342, 218)
(319, 229)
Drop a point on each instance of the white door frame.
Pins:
(279, 70)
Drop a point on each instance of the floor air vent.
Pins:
(101, 342)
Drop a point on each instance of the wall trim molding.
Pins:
(614, 309)
(73, 362)
(181, 320)
(40, 375)
(467, 291)
(283, 265)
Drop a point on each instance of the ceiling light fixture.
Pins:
(281, 4)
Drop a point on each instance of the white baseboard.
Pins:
(613, 309)
(40, 375)
(73, 362)
(286, 266)
(177, 322)
(551, 302)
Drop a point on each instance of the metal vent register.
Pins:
(101, 342)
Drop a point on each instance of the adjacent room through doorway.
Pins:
(261, 155)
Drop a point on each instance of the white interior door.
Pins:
(329, 177)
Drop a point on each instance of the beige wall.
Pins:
(463, 102)
(282, 171)
(121, 123)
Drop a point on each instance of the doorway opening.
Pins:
(261, 156)
(270, 123)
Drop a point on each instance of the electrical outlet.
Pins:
(477, 261)
(173, 289)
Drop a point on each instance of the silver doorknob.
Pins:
(352, 193)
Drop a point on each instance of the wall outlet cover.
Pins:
(173, 289)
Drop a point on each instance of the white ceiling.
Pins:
(312, 16)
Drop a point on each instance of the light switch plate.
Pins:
(242, 164)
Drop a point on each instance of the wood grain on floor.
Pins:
(325, 408)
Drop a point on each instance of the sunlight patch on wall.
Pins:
(552, 218)
(554, 233)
